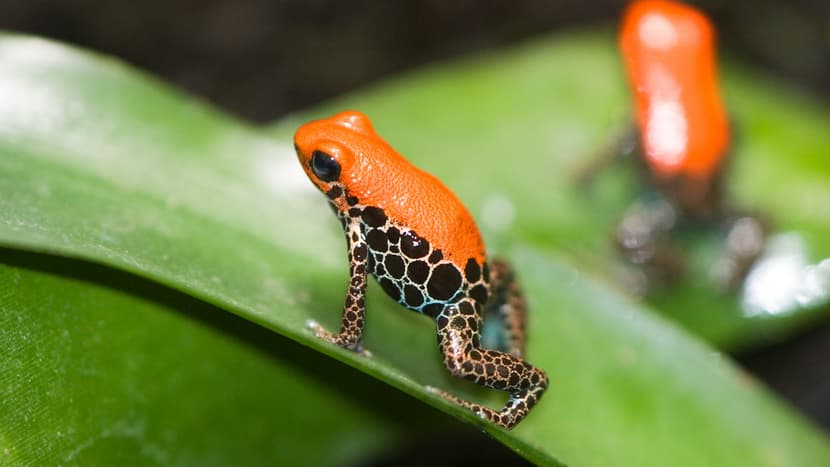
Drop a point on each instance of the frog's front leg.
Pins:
(458, 336)
(351, 327)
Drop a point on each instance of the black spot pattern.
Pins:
(444, 282)
(466, 308)
(472, 270)
(376, 240)
(394, 265)
(433, 309)
(407, 267)
(479, 293)
(360, 252)
(417, 271)
(390, 288)
(394, 234)
(373, 217)
(335, 192)
(413, 296)
(435, 256)
(413, 246)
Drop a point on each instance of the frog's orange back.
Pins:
(669, 53)
(377, 175)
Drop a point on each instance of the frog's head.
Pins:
(330, 149)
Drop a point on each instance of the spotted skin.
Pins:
(437, 275)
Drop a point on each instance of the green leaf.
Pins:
(104, 368)
(98, 162)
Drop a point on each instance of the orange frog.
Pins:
(408, 230)
(669, 52)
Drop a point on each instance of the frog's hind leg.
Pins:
(506, 311)
(458, 335)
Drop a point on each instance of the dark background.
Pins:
(261, 59)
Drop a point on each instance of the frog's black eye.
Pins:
(324, 166)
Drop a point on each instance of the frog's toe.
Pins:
(318, 330)
(441, 393)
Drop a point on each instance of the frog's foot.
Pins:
(643, 236)
(744, 244)
(458, 339)
(336, 339)
(319, 331)
(513, 412)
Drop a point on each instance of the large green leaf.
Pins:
(97, 162)
(105, 368)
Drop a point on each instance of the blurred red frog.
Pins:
(682, 140)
